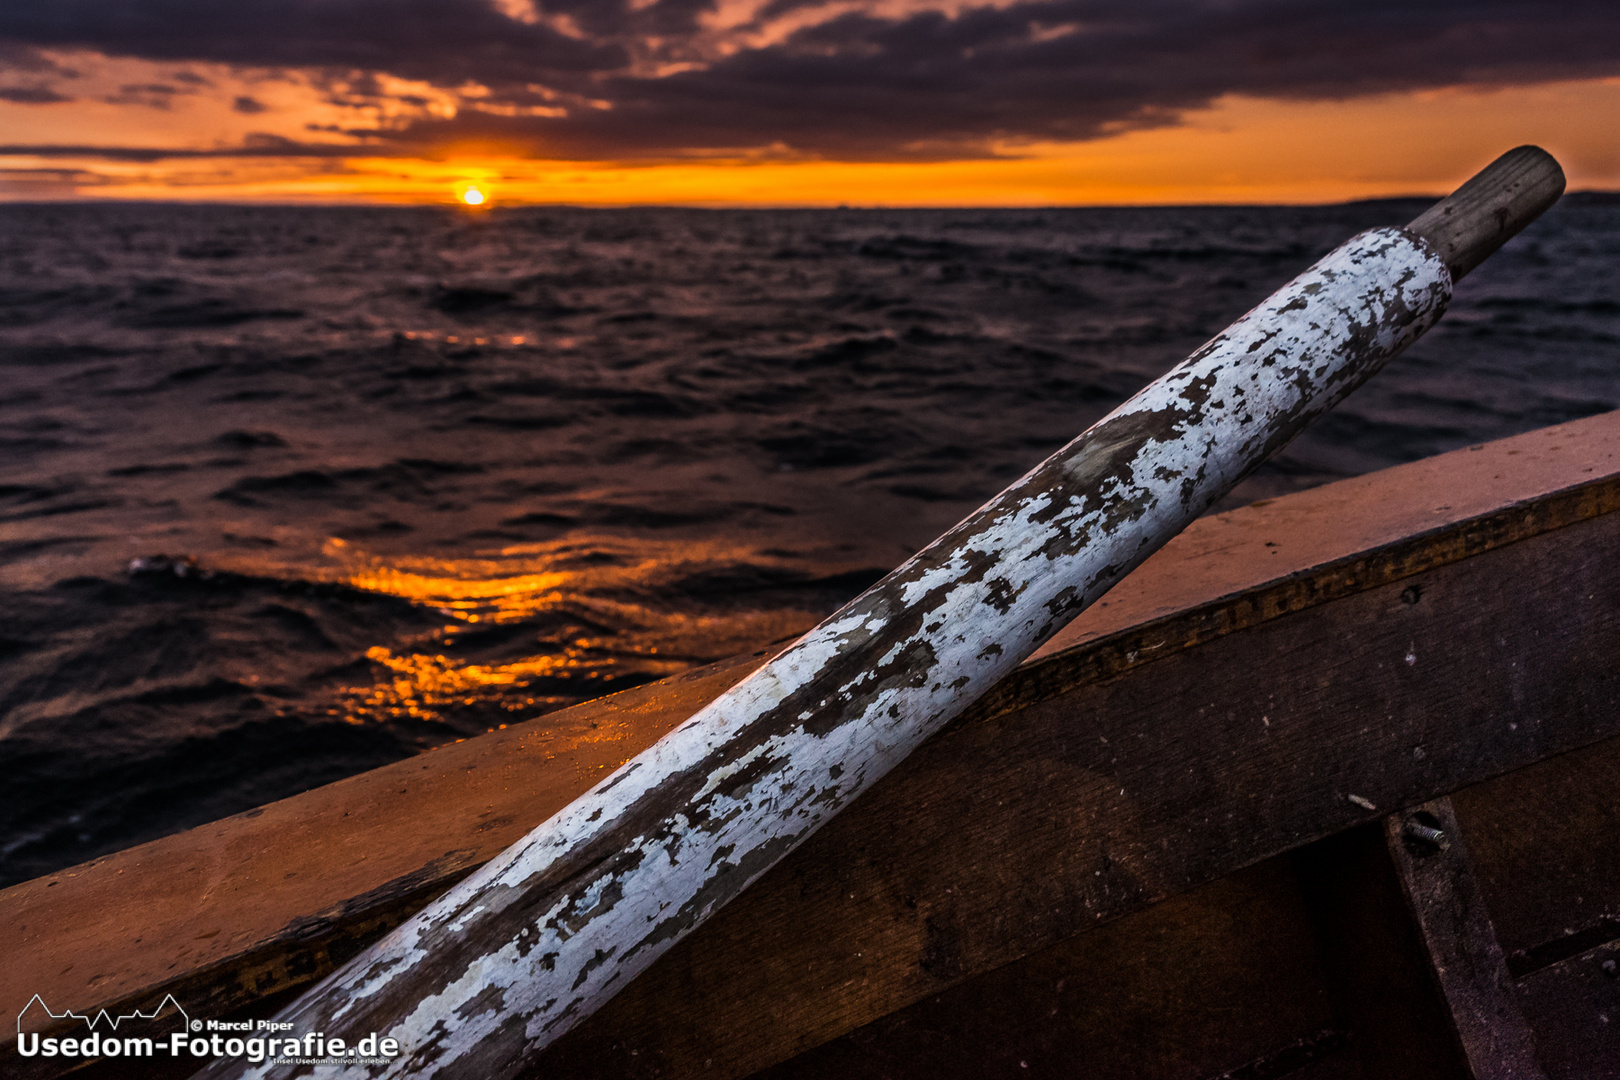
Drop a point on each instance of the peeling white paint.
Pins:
(523, 949)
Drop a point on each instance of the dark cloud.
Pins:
(31, 95)
(442, 41)
(245, 104)
(151, 95)
(851, 85)
(15, 57)
(253, 146)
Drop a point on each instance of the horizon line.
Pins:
(719, 204)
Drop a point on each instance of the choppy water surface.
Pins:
(289, 493)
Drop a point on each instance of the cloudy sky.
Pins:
(798, 101)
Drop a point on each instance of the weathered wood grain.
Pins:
(1430, 853)
(1491, 208)
(1542, 847)
(1009, 833)
(1384, 993)
(1545, 846)
(1221, 978)
(1574, 1006)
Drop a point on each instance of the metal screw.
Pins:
(1429, 838)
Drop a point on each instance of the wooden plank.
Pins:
(1009, 833)
(1545, 846)
(1307, 965)
(1334, 540)
(1222, 979)
(1384, 992)
(1574, 1007)
(1128, 1000)
(245, 907)
(1431, 856)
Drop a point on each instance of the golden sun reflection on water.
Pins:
(601, 615)
(512, 583)
(468, 598)
(425, 686)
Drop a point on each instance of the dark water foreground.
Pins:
(289, 493)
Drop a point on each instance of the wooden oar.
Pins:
(503, 964)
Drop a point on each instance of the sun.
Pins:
(472, 197)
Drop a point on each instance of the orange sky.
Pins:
(1238, 149)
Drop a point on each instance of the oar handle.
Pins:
(1491, 208)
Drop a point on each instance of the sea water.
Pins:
(288, 493)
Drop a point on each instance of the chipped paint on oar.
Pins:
(514, 956)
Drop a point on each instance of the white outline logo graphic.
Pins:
(113, 1021)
